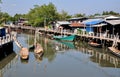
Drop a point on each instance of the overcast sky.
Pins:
(71, 6)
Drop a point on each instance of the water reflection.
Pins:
(100, 56)
(96, 55)
(61, 46)
(74, 60)
(7, 63)
(67, 44)
(38, 57)
(24, 61)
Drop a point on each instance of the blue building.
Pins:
(90, 22)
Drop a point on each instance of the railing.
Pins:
(104, 36)
(6, 39)
(110, 37)
(83, 33)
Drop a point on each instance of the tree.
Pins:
(79, 15)
(63, 15)
(97, 14)
(4, 17)
(42, 14)
(110, 13)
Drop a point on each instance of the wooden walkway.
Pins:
(99, 36)
(82, 34)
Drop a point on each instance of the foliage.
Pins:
(4, 17)
(110, 13)
(63, 15)
(105, 13)
(79, 15)
(16, 17)
(44, 15)
(41, 15)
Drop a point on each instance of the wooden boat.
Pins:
(38, 52)
(93, 44)
(38, 48)
(114, 51)
(65, 38)
(24, 53)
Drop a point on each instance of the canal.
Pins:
(60, 59)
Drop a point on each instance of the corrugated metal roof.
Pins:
(77, 18)
(112, 17)
(92, 21)
(63, 22)
(113, 22)
(77, 25)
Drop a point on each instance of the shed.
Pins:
(89, 24)
(64, 24)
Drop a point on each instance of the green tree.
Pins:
(110, 13)
(4, 17)
(63, 15)
(79, 15)
(97, 14)
(40, 15)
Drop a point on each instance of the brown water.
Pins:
(60, 59)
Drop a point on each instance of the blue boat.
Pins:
(65, 38)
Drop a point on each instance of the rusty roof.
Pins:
(77, 25)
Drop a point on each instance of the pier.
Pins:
(99, 36)
(108, 40)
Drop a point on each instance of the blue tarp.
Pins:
(92, 22)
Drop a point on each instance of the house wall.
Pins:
(89, 29)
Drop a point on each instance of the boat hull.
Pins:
(95, 45)
(114, 51)
(38, 48)
(24, 53)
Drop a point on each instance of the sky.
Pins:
(71, 6)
